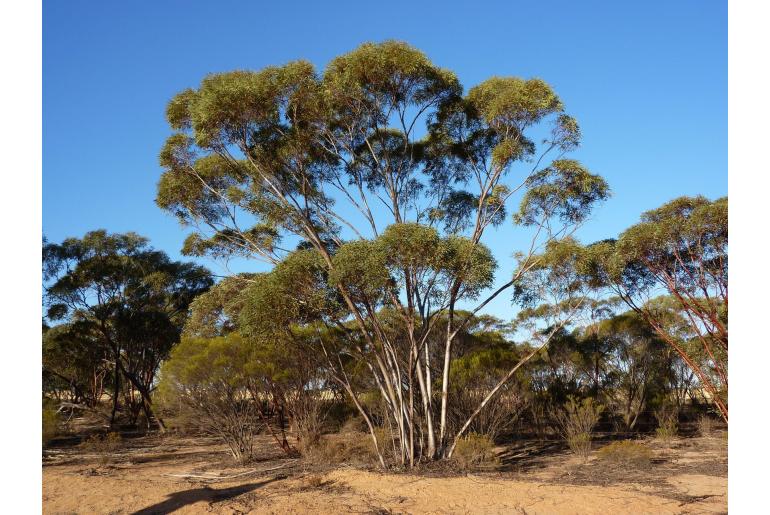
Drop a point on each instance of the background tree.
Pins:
(672, 270)
(118, 295)
(76, 360)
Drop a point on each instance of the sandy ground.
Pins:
(142, 477)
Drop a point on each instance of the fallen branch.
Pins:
(219, 478)
(71, 405)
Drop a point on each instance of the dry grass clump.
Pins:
(576, 422)
(626, 452)
(706, 426)
(352, 448)
(475, 451)
(103, 445)
(354, 424)
(668, 423)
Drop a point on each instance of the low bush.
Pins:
(626, 452)
(475, 451)
(705, 425)
(668, 423)
(50, 421)
(208, 380)
(103, 445)
(576, 421)
(352, 448)
(309, 418)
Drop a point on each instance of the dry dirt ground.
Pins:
(154, 474)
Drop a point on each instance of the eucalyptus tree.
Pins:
(672, 269)
(637, 365)
(388, 176)
(123, 296)
(75, 358)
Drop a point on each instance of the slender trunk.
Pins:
(117, 388)
(425, 391)
(445, 374)
(497, 388)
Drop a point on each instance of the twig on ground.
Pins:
(218, 478)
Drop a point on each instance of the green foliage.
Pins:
(679, 248)
(385, 75)
(640, 367)
(75, 359)
(504, 101)
(472, 265)
(474, 451)
(626, 452)
(257, 156)
(295, 292)
(409, 246)
(361, 268)
(50, 419)
(668, 422)
(201, 363)
(565, 190)
(213, 379)
(215, 312)
(120, 300)
(576, 421)
(557, 275)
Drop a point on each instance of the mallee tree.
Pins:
(369, 188)
(118, 301)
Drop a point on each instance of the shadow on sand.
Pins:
(177, 500)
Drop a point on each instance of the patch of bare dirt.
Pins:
(195, 475)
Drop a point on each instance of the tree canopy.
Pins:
(369, 187)
(115, 296)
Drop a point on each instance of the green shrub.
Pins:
(50, 421)
(576, 422)
(211, 381)
(579, 443)
(668, 423)
(626, 452)
(475, 451)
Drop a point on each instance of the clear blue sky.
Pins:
(646, 80)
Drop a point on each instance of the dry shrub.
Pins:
(354, 424)
(576, 422)
(496, 418)
(668, 423)
(314, 481)
(626, 452)
(103, 445)
(706, 426)
(309, 417)
(352, 448)
(539, 417)
(475, 451)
